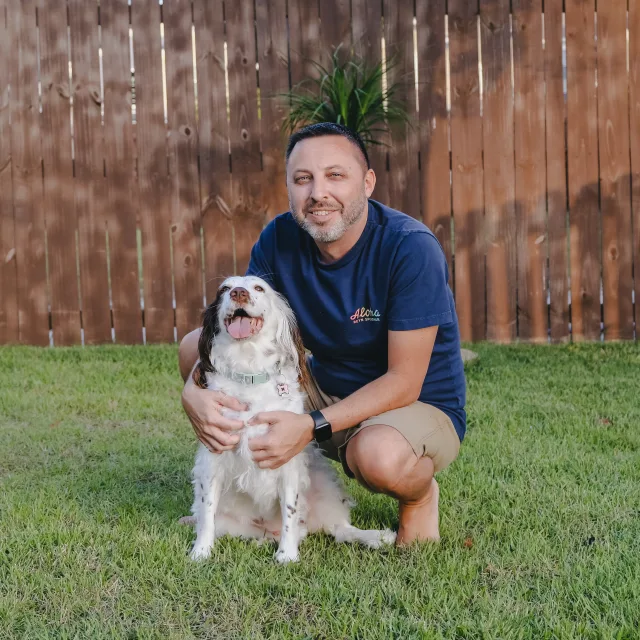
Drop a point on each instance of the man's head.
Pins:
(329, 179)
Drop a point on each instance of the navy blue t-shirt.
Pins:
(395, 278)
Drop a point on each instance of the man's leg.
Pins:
(383, 461)
(188, 353)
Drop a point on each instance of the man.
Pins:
(369, 287)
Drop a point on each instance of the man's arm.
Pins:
(188, 353)
(203, 407)
(409, 353)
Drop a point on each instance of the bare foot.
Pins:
(419, 520)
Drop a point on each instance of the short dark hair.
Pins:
(327, 129)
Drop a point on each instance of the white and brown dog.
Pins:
(250, 349)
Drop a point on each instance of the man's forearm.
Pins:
(188, 353)
(390, 391)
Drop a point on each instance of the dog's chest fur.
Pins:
(240, 471)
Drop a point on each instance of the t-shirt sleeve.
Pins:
(259, 264)
(419, 294)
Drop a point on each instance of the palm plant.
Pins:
(350, 93)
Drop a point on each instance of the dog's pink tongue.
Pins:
(239, 328)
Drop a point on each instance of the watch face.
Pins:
(323, 432)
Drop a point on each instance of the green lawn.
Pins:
(540, 514)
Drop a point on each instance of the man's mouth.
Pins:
(322, 213)
(240, 325)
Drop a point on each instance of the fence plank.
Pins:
(273, 58)
(530, 175)
(366, 28)
(467, 171)
(8, 273)
(58, 174)
(244, 132)
(434, 122)
(404, 173)
(304, 39)
(183, 149)
(555, 119)
(89, 187)
(335, 27)
(213, 139)
(615, 182)
(120, 166)
(634, 111)
(33, 314)
(153, 178)
(499, 172)
(582, 152)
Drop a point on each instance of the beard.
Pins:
(349, 215)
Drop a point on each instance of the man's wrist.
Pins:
(309, 426)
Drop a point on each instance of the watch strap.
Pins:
(318, 419)
(322, 427)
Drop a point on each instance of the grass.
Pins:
(540, 514)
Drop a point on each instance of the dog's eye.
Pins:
(259, 288)
(221, 290)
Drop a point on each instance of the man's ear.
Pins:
(369, 182)
(210, 329)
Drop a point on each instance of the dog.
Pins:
(250, 349)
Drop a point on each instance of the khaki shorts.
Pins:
(428, 430)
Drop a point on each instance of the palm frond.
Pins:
(350, 93)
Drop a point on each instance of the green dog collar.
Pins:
(246, 378)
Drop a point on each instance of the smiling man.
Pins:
(370, 288)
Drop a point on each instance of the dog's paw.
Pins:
(284, 556)
(387, 536)
(377, 539)
(200, 552)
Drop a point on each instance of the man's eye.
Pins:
(336, 174)
(259, 288)
(301, 178)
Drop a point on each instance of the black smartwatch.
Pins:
(322, 427)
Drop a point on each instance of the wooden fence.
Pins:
(140, 155)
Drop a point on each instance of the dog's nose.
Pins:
(239, 294)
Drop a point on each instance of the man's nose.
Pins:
(239, 294)
(319, 190)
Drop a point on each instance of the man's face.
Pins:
(328, 184)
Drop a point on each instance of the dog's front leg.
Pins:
(289, 504)
(207, 495)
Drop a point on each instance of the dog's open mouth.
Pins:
(241, 325)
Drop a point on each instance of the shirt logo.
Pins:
(363, 314)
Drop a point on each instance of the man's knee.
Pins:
(380, 457)
(188, 352)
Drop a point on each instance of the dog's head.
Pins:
(248, 310)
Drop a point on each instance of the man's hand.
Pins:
(203, 410)
(289, 433)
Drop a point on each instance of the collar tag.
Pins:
(283, 389)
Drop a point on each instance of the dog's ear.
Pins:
(304, 377)
(289, 339)
(210, 329)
